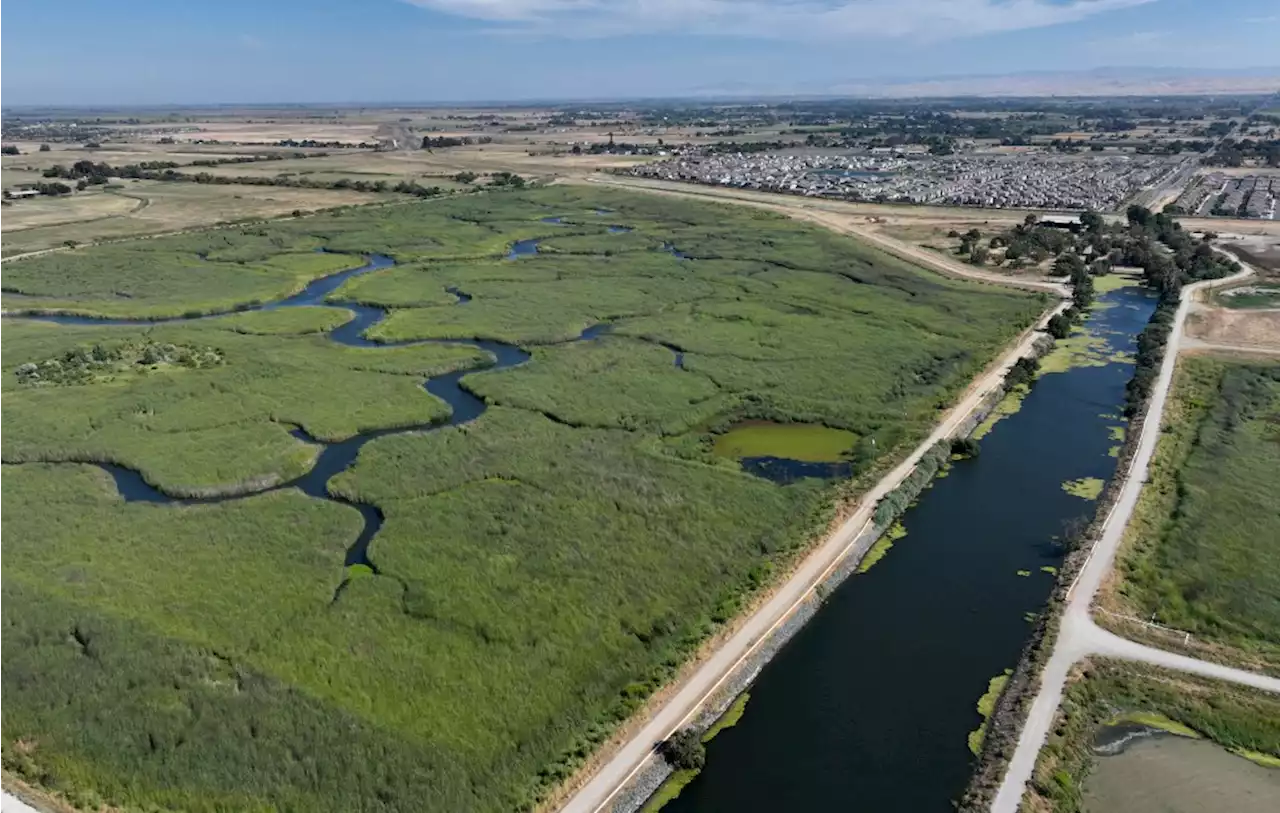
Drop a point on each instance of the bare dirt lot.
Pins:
(1240, 328)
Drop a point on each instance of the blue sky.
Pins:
(198, 51)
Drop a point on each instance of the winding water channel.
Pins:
(869, 706)
(336, 457)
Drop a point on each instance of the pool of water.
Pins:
(1170, 774)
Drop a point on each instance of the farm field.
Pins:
(1196, 555)
(537, 571)
(1131, 737)
(156, 206)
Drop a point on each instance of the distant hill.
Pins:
(1096, 82)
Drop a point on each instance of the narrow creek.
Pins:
(336, 457)
(869, 706)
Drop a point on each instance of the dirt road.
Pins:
(1079, 636)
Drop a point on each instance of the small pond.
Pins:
(1164, 773)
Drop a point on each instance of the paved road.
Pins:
(630, 757)
(1079, 636)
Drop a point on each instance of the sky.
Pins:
(141, 52)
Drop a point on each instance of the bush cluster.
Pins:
(84, 365)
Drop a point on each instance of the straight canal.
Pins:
(869, 706)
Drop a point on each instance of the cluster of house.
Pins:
(1030, 180)
(1216, 194)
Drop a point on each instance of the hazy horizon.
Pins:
(146, 53)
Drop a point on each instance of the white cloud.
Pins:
(776, 19)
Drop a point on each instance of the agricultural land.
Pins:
(537, 572)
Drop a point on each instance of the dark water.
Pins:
(619, 229)
(675, 252)
(785, 471)
(523, 248)
(868, 707)
(336, 457)
(555, 219)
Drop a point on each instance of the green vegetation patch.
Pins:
(1083, 348)
(1197, 555)
(1086, 488)
(166, 276)
(794, 441)
(606, 383)
(1152, 719)
(730, 718)
(212, 428)
(1008, 405)
(110, 361)
(541, 570)
(1251, 296)
(286, 321)
(1235, 717)
(881, 547)
(986, 707)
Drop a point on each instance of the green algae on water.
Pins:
(987, 706)
(881, 546)
(1008, 405)
(1086, 488)
(808, 442)
(730, 717)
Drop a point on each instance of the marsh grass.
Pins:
(1197, 556)
(541, 570)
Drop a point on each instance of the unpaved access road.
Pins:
(1079, 636)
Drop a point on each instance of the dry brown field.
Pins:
(157, 207)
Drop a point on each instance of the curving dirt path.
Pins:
(1079, 636)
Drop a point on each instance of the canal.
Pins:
(869, 706)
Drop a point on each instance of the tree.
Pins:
(9, 149)
(1030, 220)
(1059, 326)
(684, 750)
(978, 255)
(1092, 221)
(465, 177)
(44, 148)
(1067, 264)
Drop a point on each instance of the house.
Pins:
(21, 193)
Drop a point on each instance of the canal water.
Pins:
(869, 706)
